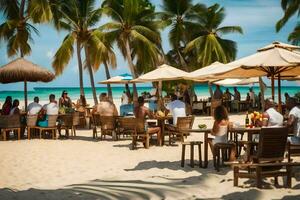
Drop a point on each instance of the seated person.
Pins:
(81, 103)
(142, 112)
(34, 107)
(294, 120)
(176, 107)
(15, 108)
(6, 106)
(48, 109)
(105, 107)
(64, 100)
(220, 129)
(272, 116)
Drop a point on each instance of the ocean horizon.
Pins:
(74, 92)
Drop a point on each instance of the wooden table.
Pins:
(161, 124)
(250, 131)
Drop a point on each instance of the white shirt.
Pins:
(296, 113)
(177, 109)
(275, 118)
(34, 108)
(51, 108)
(124, 99)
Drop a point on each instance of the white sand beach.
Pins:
(83, 168)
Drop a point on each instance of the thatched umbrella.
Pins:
(22, 70)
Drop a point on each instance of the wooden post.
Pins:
(159, 99)
(25, 94)
(279, 94)
(273, 87)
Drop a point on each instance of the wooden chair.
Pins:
(96, 124)
(75, 123)
(135, 127)
(10, 123)
(31, 124)
(66, 123)
(268, 162)
(293, 150)
(181, 129)
(108, 126)
(222, 153)
(51, 128)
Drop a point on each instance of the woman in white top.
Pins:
(15, 108)
(220, 129)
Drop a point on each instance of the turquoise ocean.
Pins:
(201, 91)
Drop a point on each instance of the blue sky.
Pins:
(256, 17)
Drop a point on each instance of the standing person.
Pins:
(293, 120)
(220, 129)
(124, 98)
(7, 106)
(236, 99)
(218, 94)
(141, 112)
(105, 107)
(237, 94)
(64, 100)
(176, 107)
(15, 108)
(271, 116)
(48, 109)
(34, 107)
(252, 97)
(227, 95)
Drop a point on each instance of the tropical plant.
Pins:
(206, 41)
(79, 18)
(290, 8)
(20, 15)
(136, 33)
(178, 15)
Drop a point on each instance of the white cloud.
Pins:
(50, 54)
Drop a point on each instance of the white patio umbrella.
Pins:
(162, 73)
(276, 59)
(236, 81)
(120, 79)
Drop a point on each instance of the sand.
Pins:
(83, 168)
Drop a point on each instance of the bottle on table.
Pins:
(247, 121)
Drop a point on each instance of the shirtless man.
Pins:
(141, 112)
(105, 107)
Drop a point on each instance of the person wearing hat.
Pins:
(64, 100)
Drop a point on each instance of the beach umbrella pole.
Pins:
(279, 94)
(25, 94)
(273, 88)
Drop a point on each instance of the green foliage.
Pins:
(132, 23)
(20, 15)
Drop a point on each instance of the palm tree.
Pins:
(103, 54)
(206, 41)
(20, 15)
(79, 17)
(290, 8)
(179, 16)
(135, 31)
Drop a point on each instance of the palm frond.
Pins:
(230, 29)
(63, 54)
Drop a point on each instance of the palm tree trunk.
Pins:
(109, 91)
(91, 75)
(80, 69)
(132, 70)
